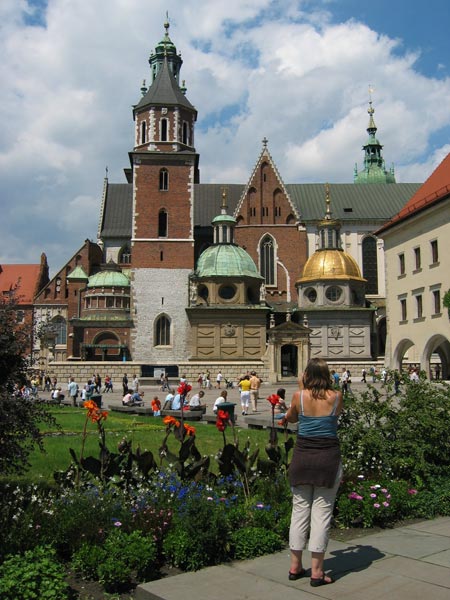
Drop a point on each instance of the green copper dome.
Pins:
(78, 273)
(374, 170)
(108, 279)
(374, 174)
(224, 218)
(226, 260)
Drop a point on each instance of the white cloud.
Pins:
(253, 68)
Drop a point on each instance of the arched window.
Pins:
(164, 129)
(370, 264)
(185, 137)
(267, 259)
(162, 223)
(162, 331)
(60, 328)
(125, 255)
(143, 132)
(164, 180)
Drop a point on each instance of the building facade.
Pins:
(156, 227)
(417, 246)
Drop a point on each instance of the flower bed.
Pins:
(127, 514)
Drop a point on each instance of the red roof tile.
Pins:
(25, 276)
(435, 188)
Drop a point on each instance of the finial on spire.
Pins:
(327, 201)
(106, 172)
(265, 141)
(166, 23)
(143, 87)
(224, 200)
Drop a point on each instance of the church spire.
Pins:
(165, 49)
(374, 170)
(329, 228)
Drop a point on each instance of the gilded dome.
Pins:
(226, 260)
(330, 264)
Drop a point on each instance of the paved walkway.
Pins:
(406, 563)
(264, 408)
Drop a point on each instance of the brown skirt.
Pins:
(315, 461)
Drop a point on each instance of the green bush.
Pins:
(34, 575)
(254, 541)
(199, 533)
(86, 559)
(370, 503)
(122, 558)
(397, 437)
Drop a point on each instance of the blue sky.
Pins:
(296, 72)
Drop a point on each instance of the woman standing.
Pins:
(315, 471)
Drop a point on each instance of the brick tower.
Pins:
(164, 169)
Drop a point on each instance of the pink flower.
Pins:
(412, 492)
(117, 524)
(377, 505)
(386, 504)
(373, 495)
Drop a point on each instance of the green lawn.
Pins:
(147, 432)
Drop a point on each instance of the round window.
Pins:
(311, 294)
(333, 293)
(227, 292)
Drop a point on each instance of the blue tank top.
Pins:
(317, 426)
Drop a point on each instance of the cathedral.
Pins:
(186, 276)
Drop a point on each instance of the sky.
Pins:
(297, 72)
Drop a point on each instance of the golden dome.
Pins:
(330, 264)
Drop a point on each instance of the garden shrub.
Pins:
(254, 541)
(86, 559)
(199, 533)
(34, 575)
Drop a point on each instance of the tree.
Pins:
(19, 418)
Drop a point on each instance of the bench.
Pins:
(133, 410)
(188, 415)
(261, 422)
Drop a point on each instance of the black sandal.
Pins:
(295, 576)
(317, 582)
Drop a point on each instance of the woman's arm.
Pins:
(293, 411)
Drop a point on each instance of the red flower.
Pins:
(190, 431)
(184, 388)
(273, 399)
(220, 425)
(223, 415)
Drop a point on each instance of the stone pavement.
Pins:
(264, 409)
(406, 563)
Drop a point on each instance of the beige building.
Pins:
(417, 248)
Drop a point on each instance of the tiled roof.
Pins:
(349, 202)
(26, 276)
(164, 91)
(435, 188)
(208, 200)
(118, 210)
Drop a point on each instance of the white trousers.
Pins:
(245, 399)
(312, 509)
